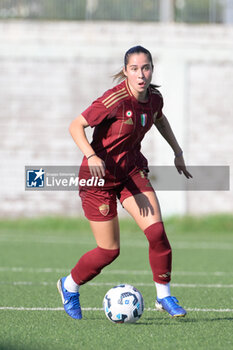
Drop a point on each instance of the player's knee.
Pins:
(109, 255)
(114, 253)
(156, 234)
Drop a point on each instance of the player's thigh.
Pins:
(144, 208)
(106, 233)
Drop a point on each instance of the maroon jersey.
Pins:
(120, 122)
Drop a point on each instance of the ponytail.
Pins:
(119, 76)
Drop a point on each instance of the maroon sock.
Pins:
(91, 264)
(160, 253)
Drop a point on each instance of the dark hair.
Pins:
(135, 49)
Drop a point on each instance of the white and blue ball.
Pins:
(123, 304)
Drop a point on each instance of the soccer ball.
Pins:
(123, 304)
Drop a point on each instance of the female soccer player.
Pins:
(121, 117)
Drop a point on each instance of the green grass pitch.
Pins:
(35, 253)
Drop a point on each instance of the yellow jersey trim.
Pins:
(116, 100)
(113, 94)
(115, 97)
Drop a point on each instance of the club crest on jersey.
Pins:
(143, 119)
(104, 209)
(129, 114)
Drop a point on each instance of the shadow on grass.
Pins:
(168, 322)
(144, 321)
(177, 321)
(217, 319)
(159, 321)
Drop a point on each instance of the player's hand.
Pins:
(96, 167)
(181, 167)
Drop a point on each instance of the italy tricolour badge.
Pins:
(143, 119)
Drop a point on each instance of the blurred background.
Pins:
(57, 56)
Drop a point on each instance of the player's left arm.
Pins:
(165, 130)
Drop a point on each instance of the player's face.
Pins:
(139, 73)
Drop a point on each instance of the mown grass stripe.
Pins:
(111, 272)
(141, 284)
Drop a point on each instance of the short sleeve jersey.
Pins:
(120, 122)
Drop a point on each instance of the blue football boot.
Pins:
(170, 304)
(70, 300)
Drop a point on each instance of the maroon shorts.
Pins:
(101, 204)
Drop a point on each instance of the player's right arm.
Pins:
(77, 131)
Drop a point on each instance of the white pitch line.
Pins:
(199, 310)
(4, 238)
(33, 269)
(190, 285)
(111, 272)
(174, 273)
(174, 285)
(21, 308)
(210, 310)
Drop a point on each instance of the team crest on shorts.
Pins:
(104, 209)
